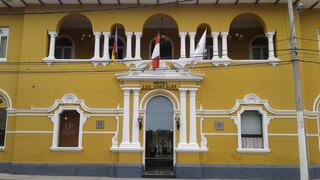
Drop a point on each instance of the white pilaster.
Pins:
(135, 123)
(52, 45)
(126, 118)
(215, 36)
(192, 36)
(96, 45)
(193, 121)
(224, 36)
(138, 45)
(129, 42)
(183, 128)
(182, 44)
(106, 55)
(270, 36)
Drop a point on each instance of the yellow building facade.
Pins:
(67, 108)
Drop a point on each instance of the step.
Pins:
(159, 174)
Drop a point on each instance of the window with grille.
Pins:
(251, 130)
(4, 32)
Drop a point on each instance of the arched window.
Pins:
(3, 121)
(166, 48)
(251, 130)
(121, 48)
(64, 48)
(259, 48)
(69, 129)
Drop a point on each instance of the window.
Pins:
(251, 130)
(4, 32)
(166, 46)
(64, 49)
(120, 54)
(252, 124)
(259, 48)
(3, 121)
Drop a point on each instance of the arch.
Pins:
(160, 92)
(159, 15)
(251, 15)
(7, 98)
(116, 25)
(316, 104)
(70, 16)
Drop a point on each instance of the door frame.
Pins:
(144, 128)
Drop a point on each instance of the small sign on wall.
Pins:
(219, 125)
(99, 124)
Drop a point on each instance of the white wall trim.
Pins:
(6, 34)
(7, 98)
(29, 132)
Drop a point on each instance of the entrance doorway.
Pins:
(159, 152)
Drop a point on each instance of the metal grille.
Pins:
(252, 142)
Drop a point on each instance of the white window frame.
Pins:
(5, 31)
(72, 47)
(56, 129)
(265, 123)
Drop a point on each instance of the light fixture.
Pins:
(87, 37)
(140, 121)
(299, 7)
(177, 119)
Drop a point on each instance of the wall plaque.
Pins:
(160, 85)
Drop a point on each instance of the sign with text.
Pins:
(160, 85)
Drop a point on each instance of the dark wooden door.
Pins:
(69, 129)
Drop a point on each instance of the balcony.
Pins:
(246, 42)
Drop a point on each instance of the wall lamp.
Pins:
(177, 119)
(140, 118)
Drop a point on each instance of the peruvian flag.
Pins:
(156, 53)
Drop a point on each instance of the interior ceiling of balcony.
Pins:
(76, 22)
(309, 4)
(159, 22)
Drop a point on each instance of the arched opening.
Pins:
(209, 47)
(3, 120)
(169, 34)
(242, 39)
(118, 29)
(69, 129)
(159, 134)
(75, 34)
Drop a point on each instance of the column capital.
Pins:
(97, 34)
(106, 34)
(52, 33)
(183, 90)
(135, 90)
(129, 34)
(138, 34)
(224, 33)
(126, 89)
(270, 34)
(193, 89)
(215, 34)
(182, 34)
(192, 34)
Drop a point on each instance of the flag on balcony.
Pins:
(156, 53)
(115, 46)
(200, 49)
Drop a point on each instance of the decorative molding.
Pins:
(254, 151)
(29, 132)
(7, 98)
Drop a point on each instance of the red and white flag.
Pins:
(156, 53)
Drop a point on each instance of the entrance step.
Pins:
(159, 174)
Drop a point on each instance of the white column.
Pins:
(192, 36)
(126, 118)
(270, 36)
(138, 46)
(129, 42)
(96, 45)
(215, 36)
(53, 36)
(182, 44)
(106, 55)
(135, 123)
(224, 45)
(193, 121)
(183, 127)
